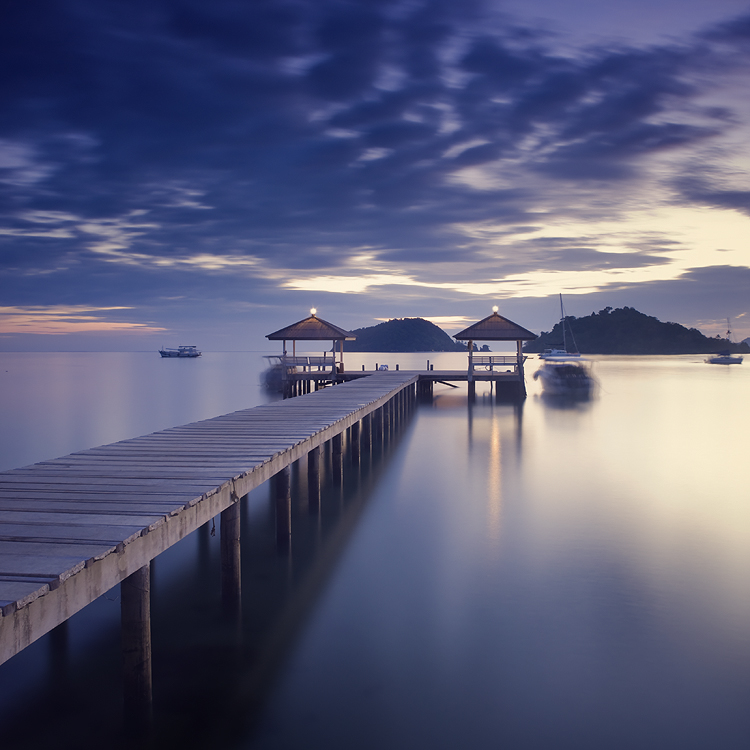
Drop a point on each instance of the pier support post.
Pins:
(231, 583)
(313, 479)
(355, 444)
(378, 425)
(337, 447)
(135, 621)
(283, 502)
(366, 437)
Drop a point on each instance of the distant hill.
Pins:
(403, 335)
(627, 331)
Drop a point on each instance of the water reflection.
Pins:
(521, 576)
(212, 668)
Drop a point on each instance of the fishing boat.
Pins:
(726, 357)
(180, 351)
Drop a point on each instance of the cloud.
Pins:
(59, 320)
(254, 148)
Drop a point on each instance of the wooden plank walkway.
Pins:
(73, 527)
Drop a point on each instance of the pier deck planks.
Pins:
(73, 527)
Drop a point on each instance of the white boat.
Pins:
(565, 376)
(552, 353)
(726, 357)
(557, 353)
(181, 351)
(564, 373)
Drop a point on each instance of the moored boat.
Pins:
(181, 351)
(565, 376)
(552, 353)
(565, 373)
(726, 357)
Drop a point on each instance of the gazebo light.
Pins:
(494, 308)
(313, 311)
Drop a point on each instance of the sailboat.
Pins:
(548, 353)
(725, 357)
(564, 373)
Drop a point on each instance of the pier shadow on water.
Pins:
(211, 669)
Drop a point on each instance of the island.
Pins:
(403, 335)
(627, 331)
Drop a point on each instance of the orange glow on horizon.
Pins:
(62, 319)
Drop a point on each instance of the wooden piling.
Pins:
(283, 502)
(366, 437)
(355, 447)
(377, 426)
(313, 479)
(337, 458)
(135, 620)
(231, 584)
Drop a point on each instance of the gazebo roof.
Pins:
(311, 329)
(495, 328)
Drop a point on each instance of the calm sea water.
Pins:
(544, 575)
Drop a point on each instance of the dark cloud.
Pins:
(291, 132)
(736, 30)
(698, 189)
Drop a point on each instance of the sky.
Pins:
(183, 172)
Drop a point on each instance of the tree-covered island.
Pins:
(627, 331)
(403, 335)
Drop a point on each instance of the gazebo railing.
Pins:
(491, 361)
(324, 362)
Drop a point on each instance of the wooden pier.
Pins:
(73, 527)
(505, 375)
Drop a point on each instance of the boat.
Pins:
(726, 357)
(272, 378)
(557, 353)
(552, 353)
(565, 373)
(180, 351)
(565, 376)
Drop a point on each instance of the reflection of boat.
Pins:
(181, 351)
(563, 376)
(726, 357)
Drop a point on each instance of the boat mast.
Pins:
(562, 323)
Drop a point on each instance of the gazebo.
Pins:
(496, 328)
(313, 329)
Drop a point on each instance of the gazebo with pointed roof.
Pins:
(496, 328)
(313, 329)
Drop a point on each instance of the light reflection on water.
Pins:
(543, 575)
